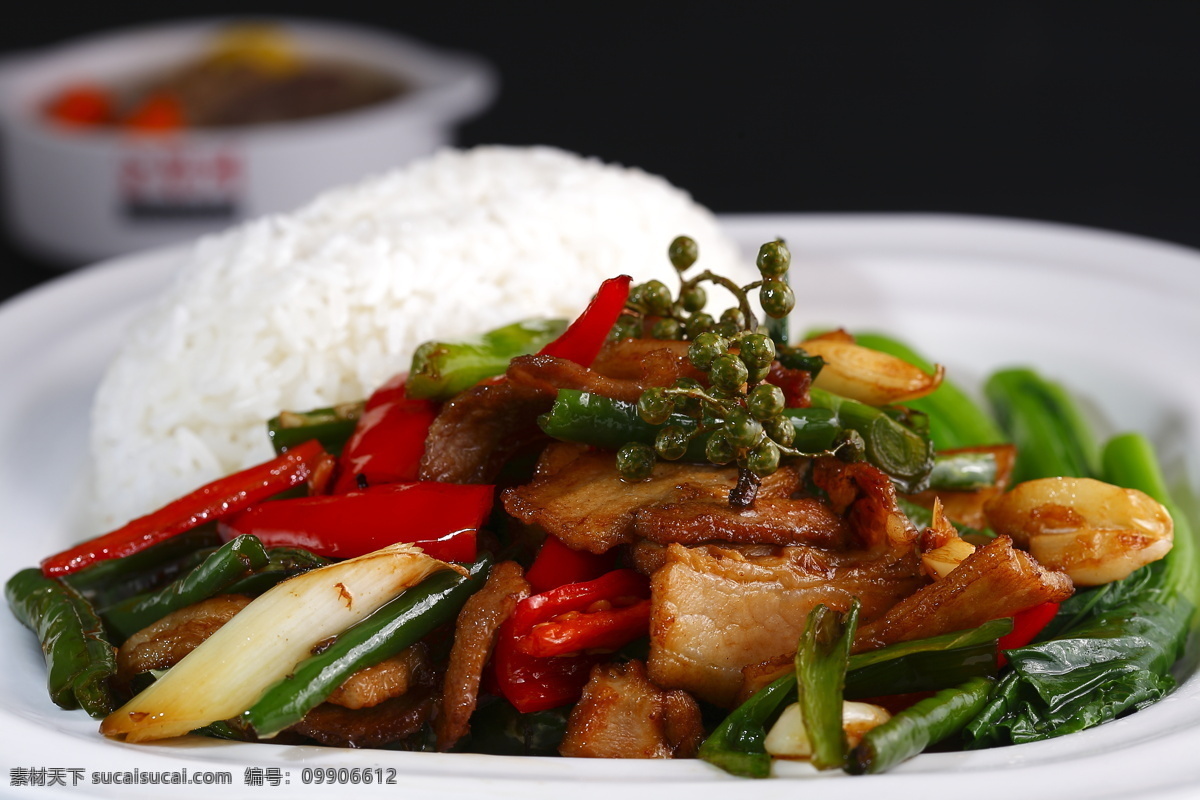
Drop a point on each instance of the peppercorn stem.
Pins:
(737, 291)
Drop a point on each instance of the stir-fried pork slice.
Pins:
(647, 557)
(547, 374)
(389, 678)
(623, 370)
(716, 611)
(623, 715)
(163, 643)
(771, 520)
(474, 639)
(649, 362)
(967, 507)
(477, 432)
(585, 503)
(390, 721)
(997, 580)
(867, 496)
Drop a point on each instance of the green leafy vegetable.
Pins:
(497, 728)
(1052, 436)
(1111, 649)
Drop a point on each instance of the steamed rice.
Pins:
(320, 306)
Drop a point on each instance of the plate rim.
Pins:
(91, 283)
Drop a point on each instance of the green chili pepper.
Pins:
(225, 566)
(441, 370)
(601, 421)
(331, 426)
(821, 660)
(282, 563)
(391, 629)
(963, 471)
(604, 422)
(79, 660)
(904, 454)
(925, 723)
(106, 583)
(736, 745)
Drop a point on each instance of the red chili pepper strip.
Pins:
(607, 629)
(556, 564)
(537, 684)
(440, 518)
(388, 440)
(533, 683)
(617, 587)
(1027, 625)
(583, 338)
(395, 389)
(220, 498)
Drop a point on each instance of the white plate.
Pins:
(1113, 317)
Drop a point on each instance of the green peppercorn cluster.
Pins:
(739, 415)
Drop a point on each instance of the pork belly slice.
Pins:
(997, 580)
(164, 643)
(771, 520)
(389, 678)
(649, 362)
(585, 503)
(377, 705)
(623, 715)
(479, 431)
(390, 721)
(474, 639)
(547, 374)
(867, 498)
(717, 611)
(622, 371)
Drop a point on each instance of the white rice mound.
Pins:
(319, 306)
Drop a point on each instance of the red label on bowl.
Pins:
(173, 181)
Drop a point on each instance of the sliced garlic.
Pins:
(1093, 531)
(939, 562)
(867, 375)
(788, 738)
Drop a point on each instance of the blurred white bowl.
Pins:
(69, 194)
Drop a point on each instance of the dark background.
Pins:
(1077, 112)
